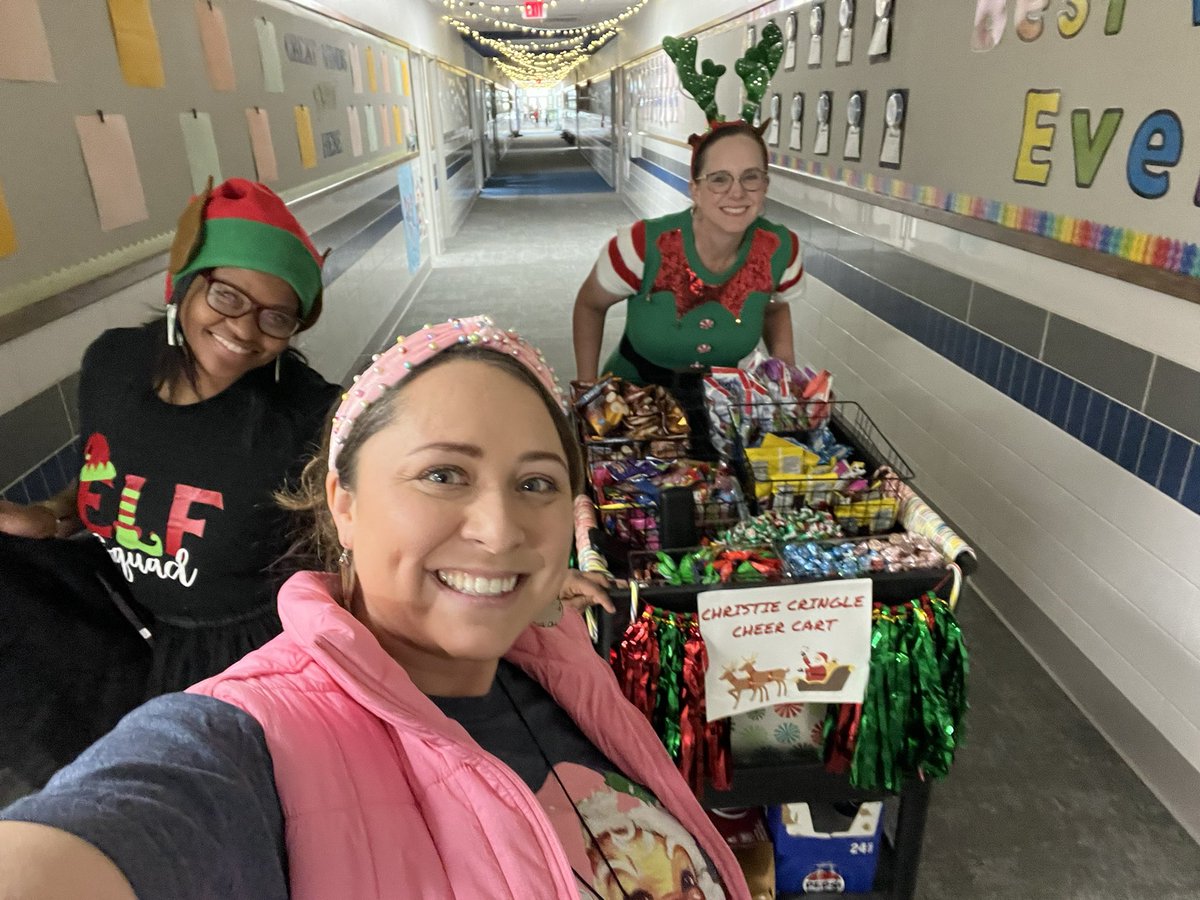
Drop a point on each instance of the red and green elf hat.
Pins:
(244, 225)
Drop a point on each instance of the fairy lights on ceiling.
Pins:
(535, 60)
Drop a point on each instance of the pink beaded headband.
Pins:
(407, 353)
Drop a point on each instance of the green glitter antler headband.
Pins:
(758, 66)
(755, 69)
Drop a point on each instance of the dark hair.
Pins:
(316, 541)
(720, 133)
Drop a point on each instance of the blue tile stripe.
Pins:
(669, 178)
(1159, 456)
(455, 164)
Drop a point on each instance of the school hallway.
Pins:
(1038, 804)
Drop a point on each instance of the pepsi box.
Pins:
(825, 848)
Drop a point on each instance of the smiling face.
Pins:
(225, 349)
(460, 522)
(733, 211)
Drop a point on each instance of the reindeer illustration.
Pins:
(760, 680)
(737, 684)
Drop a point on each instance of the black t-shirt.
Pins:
(181, 796)
(181, 496)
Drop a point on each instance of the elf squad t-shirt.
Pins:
(181, 496)
(618, 839)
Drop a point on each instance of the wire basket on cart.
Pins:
(838, 461)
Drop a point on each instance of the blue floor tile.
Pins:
(1179, 451)
(1016, 386)
(1155, 445)
(1131, 441)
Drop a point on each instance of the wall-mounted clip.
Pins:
(100, 113)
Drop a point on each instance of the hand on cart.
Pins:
(582, 590)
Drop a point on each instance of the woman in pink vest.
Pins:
(431, 723)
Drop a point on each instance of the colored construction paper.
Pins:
(398, 126)
(214, 38)
(404, 74)
(369, 64)
(8, 234)
(385, 68)
(397, 77)
(372, 132)
(261, 144)
(24, 50)
(385, 127)
(137, 43)
(304, 134)
(201, 148)
(355, 69)
(268, 52)
(112, 169)
(355, 131)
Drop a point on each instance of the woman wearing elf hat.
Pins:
(704, 285)
(431, 723)
(188, 425)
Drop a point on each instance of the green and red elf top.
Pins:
(680, 313)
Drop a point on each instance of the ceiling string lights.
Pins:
(547, 54)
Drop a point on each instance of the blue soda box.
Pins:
(808, 861)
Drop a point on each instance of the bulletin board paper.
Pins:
(214, 38)
(305, 138)
(356, 143)
(268, 54)
(24, 51)
(266, 167)
(201, 146)
(112, 169)
(8, 233)
(137, 43)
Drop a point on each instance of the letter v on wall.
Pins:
(1090, 148)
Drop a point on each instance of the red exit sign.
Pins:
(535, 9)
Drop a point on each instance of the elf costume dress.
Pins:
(682, 314)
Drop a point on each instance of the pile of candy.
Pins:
(777, 527)
(710, 565)
(856, 559)
(769, 396)
(612, 410)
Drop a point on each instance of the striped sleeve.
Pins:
(623, 261)
(790, 286)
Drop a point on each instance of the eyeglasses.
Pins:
(752, 181)
(232, 303)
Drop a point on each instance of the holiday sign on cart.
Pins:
(785, 644)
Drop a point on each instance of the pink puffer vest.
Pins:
(385, 797)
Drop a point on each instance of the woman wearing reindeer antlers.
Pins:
(706, 283)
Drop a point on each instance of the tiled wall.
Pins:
(460, 186)
(595, 140)
(1067, 455)
(367, 284)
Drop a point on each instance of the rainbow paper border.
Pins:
(1169, 254)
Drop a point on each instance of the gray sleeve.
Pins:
(181, 796)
